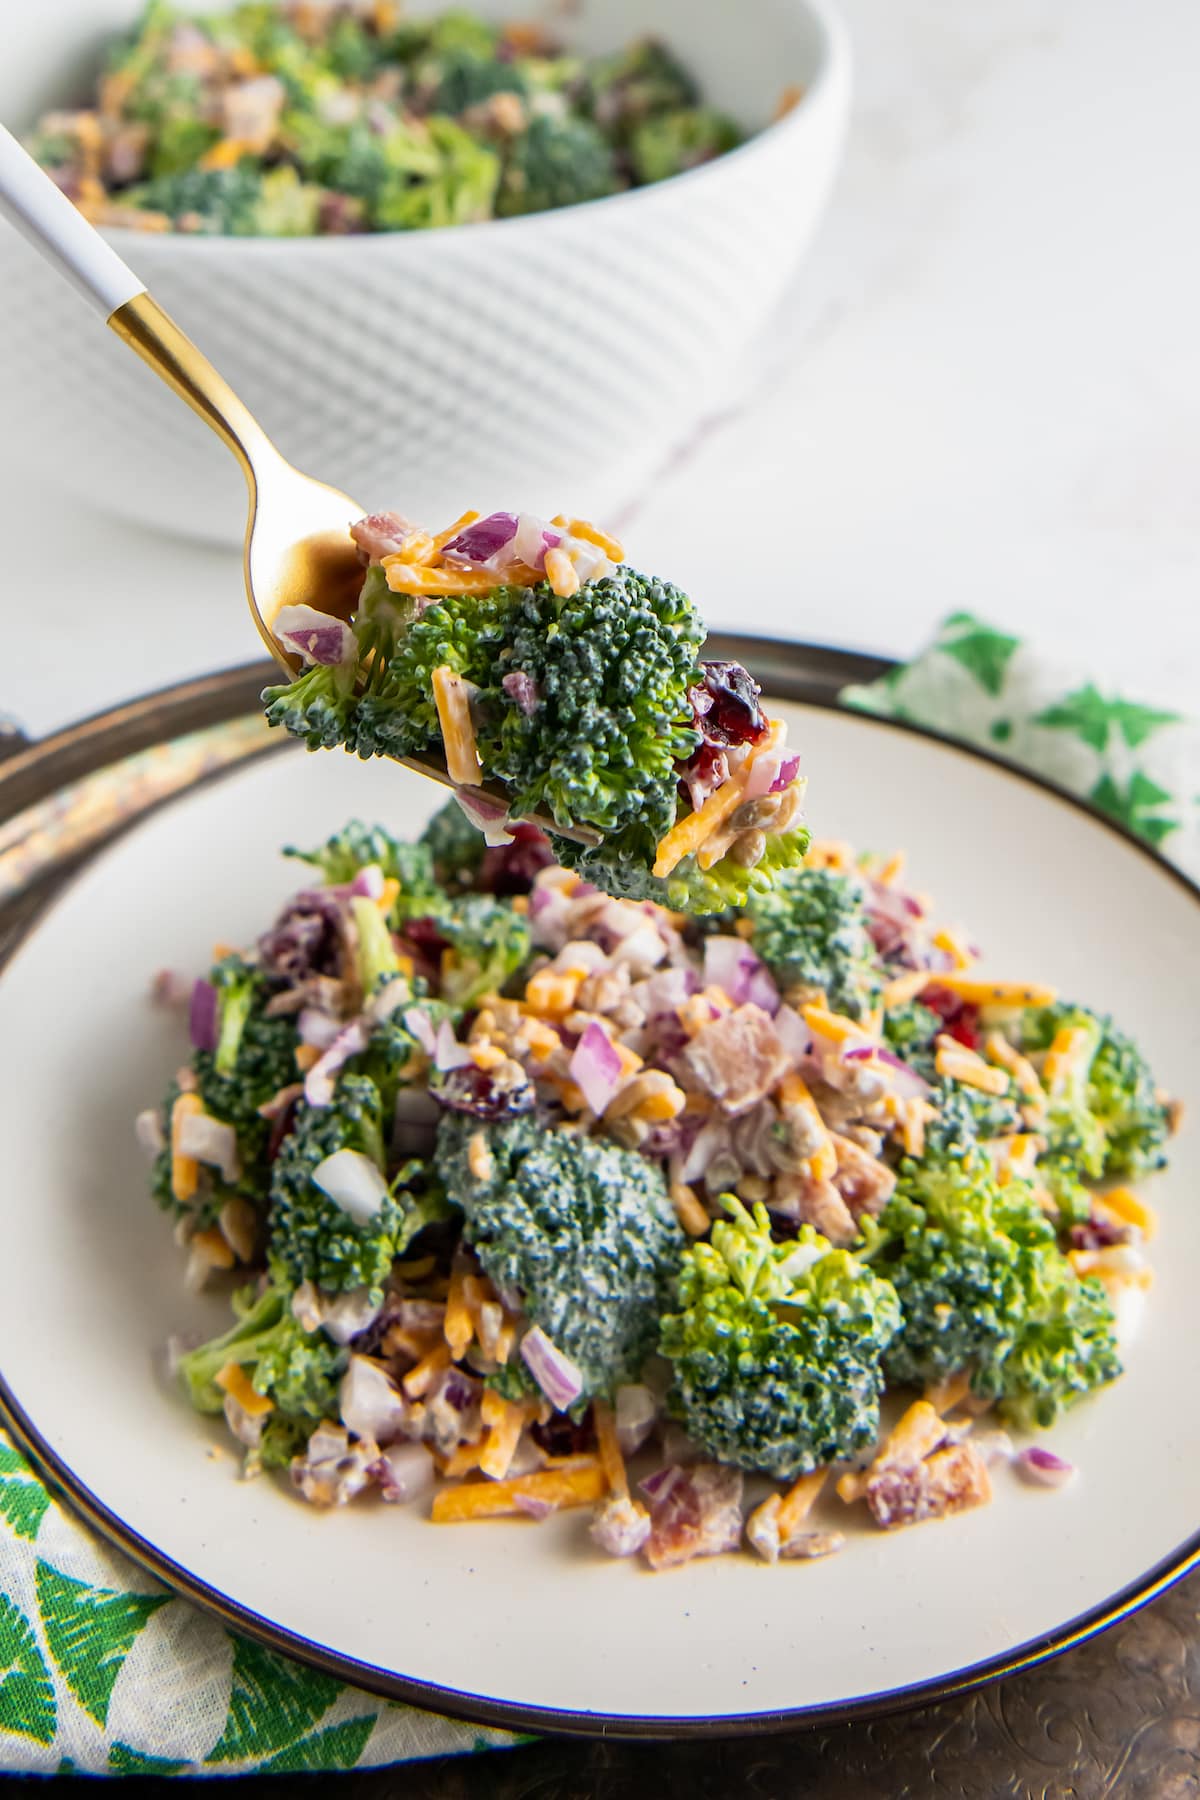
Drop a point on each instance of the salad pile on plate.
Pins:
(559, 683)
(328, 117)
(532, 1198)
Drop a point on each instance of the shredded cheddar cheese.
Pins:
(975, 992)
(454, 718)
(794, 1095)
(960, 953)
(452, 531)
(1068, 1049)
(234, 1381)
(489, 1499)
(686, 837)
(798, 1502)
(956, 1063)
(562, 574)
(1122, 1203)
(185, 1170)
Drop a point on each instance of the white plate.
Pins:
(523, 1623)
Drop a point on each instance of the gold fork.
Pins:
(298, 548)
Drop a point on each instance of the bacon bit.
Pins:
(592, 534)
(949, 1481)
(506, 1420)
(904, 988)
(699, 1010)
(945, 1394)
(864, 1182)
(418, 1381)
(185, 1170)
(816, 1203)
(561, 573)
(234, 1381)
(558, 1488)
(958, 1064)
(973, 992)
(452, 531)
(959, 952)
(688, 1210)
(919, 1431)
(1124, 1204)
(700, 1515)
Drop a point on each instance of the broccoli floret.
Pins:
(910, 1031)
(1109, 1118)
(635, 84)
(455, 846)
(488, 942)
(809, 930)
(623, 863)
(359, 846)
(222, 201)
(965, 1118)
(671, 142)
(556, 162)
(458, 187)
(397, 715)
(776, 1347)
(983, 1286)
(297, 1369)
(465, 78)
(311, 1237)
(318, 706)
(255, 1057)
(583, 1230)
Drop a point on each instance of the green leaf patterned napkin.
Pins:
(1137, 763)
(103, 1671)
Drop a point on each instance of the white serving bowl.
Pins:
(550, 361)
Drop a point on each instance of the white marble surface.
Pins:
(984, 391)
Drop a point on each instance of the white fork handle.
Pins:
(42, 213)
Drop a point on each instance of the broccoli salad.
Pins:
(339, 116)
(731, 1230)
(536, 660)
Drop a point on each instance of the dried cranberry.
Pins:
(561, 1436)
(512, 868)
(281, 1125)
(960, 1020)
(1097, 1234)
(306, 939)
(472, 1090)
(703, 773)
(726, 706)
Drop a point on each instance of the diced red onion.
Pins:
(317, 1028)
(522, 690)
(370, 1403)
(789, 768)
(635, 1410)
(486, 815)
(202, 1015)
(859, 1052)
(404, 1472)
(422, 1028)
(211, 1141)
(350, 1041)
(765, 772)
(368, 883)
(902, 1080)
(316, 636)
(761, 990)
(340, 1316)
(478, 543)
(448, 1052)
(793, 1033)
(663, 1482)
(555, 1374)
(596, 1067)
(1044, 1468)
(730, 963)
(352, 1182)
(150, 1134)
(711, 1141)
(532, 539)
